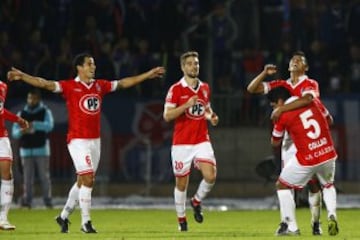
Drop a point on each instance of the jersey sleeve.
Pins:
(324, 111)
(172, 96)
(107, 86)
(312, 87)
(10, 116)
(268, 86)
(278, 130)
(62, 87)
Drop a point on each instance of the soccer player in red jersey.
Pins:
(6, 159)
(307, 91)
(315, 155)
(83, 96)
(188, 104)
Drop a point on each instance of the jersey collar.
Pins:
(185, 84)
(77, 79)
(301, 78)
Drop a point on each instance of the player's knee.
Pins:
(182, 183)
(181, 187)
(6, 175)
(210, 178)
(87, 180)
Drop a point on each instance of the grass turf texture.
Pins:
(161, 224)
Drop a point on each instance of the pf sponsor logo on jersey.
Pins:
(197, 111)
(90, 104)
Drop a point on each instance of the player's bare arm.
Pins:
(128, 82)
(172, 113)
(298, 103)
(256, 86)
(15, 74)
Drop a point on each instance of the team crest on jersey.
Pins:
(205, 94)
(90, 104)
(197, 111)
(98, 88)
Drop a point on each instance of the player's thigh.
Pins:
(80, 152)
(326, 172)
(182, 157)
(295, 175)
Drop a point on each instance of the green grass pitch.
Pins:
(112, 224)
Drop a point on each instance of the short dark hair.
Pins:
(278, 93)
(35, 92)
(184, 56)
(80, 59)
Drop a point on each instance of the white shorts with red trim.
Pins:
(85, 154)
(295, 175)
(184, 155)
(5, 149)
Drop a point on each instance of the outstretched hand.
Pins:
(157, 72)
(14, 74)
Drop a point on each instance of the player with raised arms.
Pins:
(83, 95)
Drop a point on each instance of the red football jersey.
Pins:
(310, 133)
(191, 127)
(3, 92)
(4, 113)
(83, 103)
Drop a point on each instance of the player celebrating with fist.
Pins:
(188, 104)
(83, 96)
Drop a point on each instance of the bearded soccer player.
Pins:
(315, 155)
(83, 96)
(6, 159)
(307, 91)
(188, 104)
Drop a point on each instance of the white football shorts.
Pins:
(295, 175)
(184, 155)
(85, 154)
(5, 149)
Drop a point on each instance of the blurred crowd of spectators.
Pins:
(127, 37)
